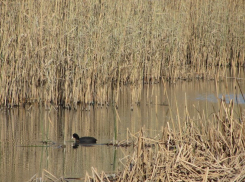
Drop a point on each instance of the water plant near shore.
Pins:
(210, 149)
(214, 152)
(70, 52)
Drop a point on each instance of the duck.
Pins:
(84, 140)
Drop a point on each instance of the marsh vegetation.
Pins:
(192, 116)
(206, 149)
(196, 152)
(68, 52)
(77, 54)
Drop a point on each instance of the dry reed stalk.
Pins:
(46, 176)
(214, 154)
(63, 52)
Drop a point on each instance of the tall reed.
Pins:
(67, 52)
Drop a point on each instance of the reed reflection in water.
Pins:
(23, 152)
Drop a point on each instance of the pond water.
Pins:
(22, 131)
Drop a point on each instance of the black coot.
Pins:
(84, 140)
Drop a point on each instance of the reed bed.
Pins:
(69, 52)
(211, 150)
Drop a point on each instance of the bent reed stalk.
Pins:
(208, 153)
(205, 150)
(68, 52)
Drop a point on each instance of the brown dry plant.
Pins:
(214, 152)
(69, 52)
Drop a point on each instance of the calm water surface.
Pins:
(23, 154)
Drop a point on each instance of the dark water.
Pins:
(22, 131)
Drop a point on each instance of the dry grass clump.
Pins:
(214, 152)
(69, 52)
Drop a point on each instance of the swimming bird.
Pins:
(84, 140)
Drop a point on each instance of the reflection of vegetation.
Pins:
(203, 150)
(115, 159)
(115, 124)
(211, 153)
(69, 52)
